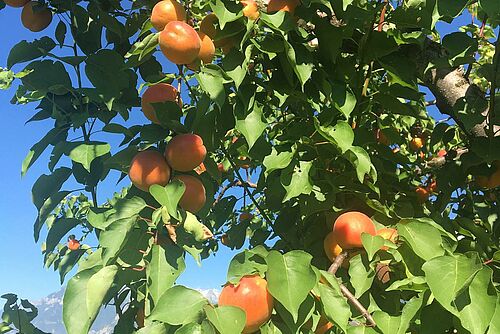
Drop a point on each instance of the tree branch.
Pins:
(345, 291)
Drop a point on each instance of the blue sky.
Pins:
(20, 257)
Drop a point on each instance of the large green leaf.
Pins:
(424, 240)
(84, 296)
(169, 196)
(290, 278)
(448, 275)
(25, 51)
(178, 306)
(251, 125)
(166, 265)
(335, 305)
(296, 180)
(114, 238)
(226, 319)
(86, 153)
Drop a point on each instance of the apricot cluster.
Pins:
(183, 153)
(34, 16)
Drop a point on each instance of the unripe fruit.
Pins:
(167, 11)
(282, 5)
(422, 195)
(251, 296)
(194, 196)
(148, 168)
(36, 17)
(388, 233)
(16, 3)
(331, 246)
(185, 152)
(348, 228)
(250, 9)
(416, 143)
(180, 43)
(158, 93)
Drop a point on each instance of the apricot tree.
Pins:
(350, 148)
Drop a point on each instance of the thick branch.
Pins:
(450, 86)
(337, 263)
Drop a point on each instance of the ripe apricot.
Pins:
(207, 52)
(442, 153)
(349, 226)
(282, 5)
(158, 93)
(167, 11)
(251, 296)
(416, 143)
(381, 137)
(494, 179)
(180, 43)
(250, 9)
(331, 246)
(16, 3)
(245, 216)
(73, 244)
(148, 168)
(388, 233)
(35, 16)
(323, 326)
(432, 187)
(422, 194)
(207, 25)
(194, 197)
(185, 152)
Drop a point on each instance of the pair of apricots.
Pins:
(35, 16)
(183, 45)
(347, 230)
(251, 293)
(183, 153)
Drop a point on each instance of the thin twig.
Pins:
(355, 302)
(337, 263)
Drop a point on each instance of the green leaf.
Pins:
(61, 32)
(410, 310)
(178, 306)
(246, 263)
(495, 320)
(226, 319)
(84, 296)
(386, 323)
(300, 59)
(46, 209)
(213, 85)
(6, 78)
(360, 160)
(166, 265)
(59, 229)
(192, 226)
(414, 283)
(277, 160)
(343, 98)
(296, 181)
(114, 238)
(361, 275)
(25, 51)
(142, 50)
(224, 15)
(154, 328)
(47, 76)
(372, 244)
(290, 278)
(251, 125)
(86, 153)
(48, 185)
(476, 305)
(447, 276)
(423, 239)
(335, 305)
(340, 135)
(169, 196)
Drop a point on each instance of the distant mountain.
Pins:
(50, 314)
